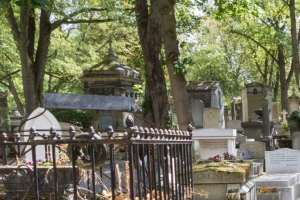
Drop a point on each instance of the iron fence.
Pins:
(140, 164)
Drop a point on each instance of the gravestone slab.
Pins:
(256, 149)
(197, 112)
(44, 121)
(88, 102)
(275, 112)
(241, 138)
(235, 124)
(282, 161)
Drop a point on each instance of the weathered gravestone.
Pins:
(256, 149)
(197, 108)
(212, 118)
(235, 124)
(282, 161)
(275, 112)
(45, 121)
(282, 172)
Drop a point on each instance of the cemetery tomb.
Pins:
(213, 141)
(211, 108)
(282, 172)
(223, 180)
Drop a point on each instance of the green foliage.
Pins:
(233, 8)
(180, 65)
(77, 117)
(286, 127)
(295, 115)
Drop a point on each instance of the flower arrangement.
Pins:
(226, 156)
(265, 189)
(62, 160)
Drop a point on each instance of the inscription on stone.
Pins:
(283, 160)
(210, 148)
(213, 144)
(217, 177)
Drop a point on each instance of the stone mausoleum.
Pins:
(111, 78)
(207, 104)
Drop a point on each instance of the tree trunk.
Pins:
(284, 83)
(150, 37)
(294, 40)
(33, 67)
(178, 82)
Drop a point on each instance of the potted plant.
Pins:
(294, 121)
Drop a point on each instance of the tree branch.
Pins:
(8, 75)
(80, 21)
(65, 19)
(13, 24)
(256, 42)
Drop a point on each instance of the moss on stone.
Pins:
(224, 166)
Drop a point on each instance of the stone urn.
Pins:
(294, 121)
(19, 180)
(294, 125)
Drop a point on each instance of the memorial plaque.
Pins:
(210, 148)
(283, 161)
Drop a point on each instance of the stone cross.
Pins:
(284, 113)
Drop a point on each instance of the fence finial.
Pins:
(110, 132)
(52, 132)
(33, 133)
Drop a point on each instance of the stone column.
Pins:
(296, 140)
(266, 120)
(245, 104)
(293, 102)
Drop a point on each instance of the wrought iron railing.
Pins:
(155, 164)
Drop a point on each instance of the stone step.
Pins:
(276, 180)
(288, 184)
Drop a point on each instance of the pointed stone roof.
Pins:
(110, 67)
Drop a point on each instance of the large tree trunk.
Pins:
(294, 40)
(178, 82)
(284, 83)
(33, 66)
(150, 37)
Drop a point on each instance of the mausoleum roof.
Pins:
(110, 67)
(205, 85)
(256, 84)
